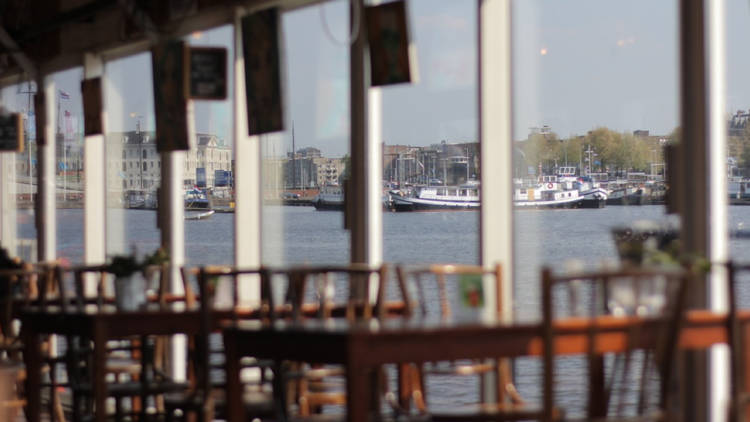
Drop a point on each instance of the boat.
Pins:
(199, 215)
(626, 196)
(525, 198)
(426, 198)
(330, 198)
(196, 199)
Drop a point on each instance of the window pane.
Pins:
(69, 164)
(595, 101)
(209, 168)
(307, 161)
(738, 153)
(431, 150)
(20, 99)
(131, 189)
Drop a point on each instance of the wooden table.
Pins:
(99, 326)
(361, 348)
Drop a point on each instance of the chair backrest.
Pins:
(327, 291)
(209, 280)
(19, 287)
(451, 282)
(737, 277)
(628, 293)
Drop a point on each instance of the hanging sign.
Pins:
(40, 117)
(91, 89)
(208, 73)
(169, 66)
(11, 132)
(388, 38)
(260, 45)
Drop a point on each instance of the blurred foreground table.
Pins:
(363, 347)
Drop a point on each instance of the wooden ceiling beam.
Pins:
(23, 61)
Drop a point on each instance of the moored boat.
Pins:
(464, 197)
(527, 199)
(330, 198)
(626, 196)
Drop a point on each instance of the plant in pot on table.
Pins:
(131, 277)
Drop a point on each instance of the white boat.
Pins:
(199, 215)
(464, 197)
(330, 198)
(594, 198)
(527, 199)
(196, 199)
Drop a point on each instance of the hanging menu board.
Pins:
(260, 45)
(208, 73)
(388, 38)
(40, 117)
(169, 65)
(11, 132)
(92, 106)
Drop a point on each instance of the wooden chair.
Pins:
(205, 399)
(21, 287)
(738, 274)
(435, 291)
(323, 292)
(656, 294)
(134, 363)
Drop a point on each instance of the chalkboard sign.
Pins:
(40, 116)
(169, 66)
(92, 106)
(208, 73)
(11, 132)
(260, 45)
(388, 38)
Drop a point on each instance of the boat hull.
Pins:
(634, 198)
(593, 203)
(401, 203)
(560, 203)
(328, 206)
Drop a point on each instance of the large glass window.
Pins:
(209, 168)
(430, 143)
(308, 162)
(69, 171)
(19, 98)
(595, 102)
(131, 189)
(738, 141)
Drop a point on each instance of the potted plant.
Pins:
(131, 275)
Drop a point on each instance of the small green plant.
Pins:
(127, 265)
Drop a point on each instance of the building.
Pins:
(133, 163)
(210, 154)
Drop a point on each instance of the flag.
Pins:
(64, 95)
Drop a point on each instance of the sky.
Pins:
(577, 65)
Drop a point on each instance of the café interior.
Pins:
(247, 336)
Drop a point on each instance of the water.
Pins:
(294, 235)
